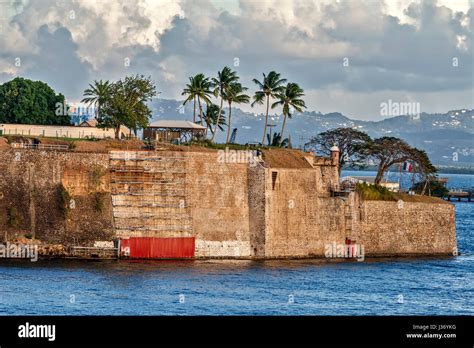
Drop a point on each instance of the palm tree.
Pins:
(277, 140)
(221, 83)
(97, 94)
(204, 92)
(191, 91)
(211, 119)
(199, 87)
(234, 93)
(290, 98)
(270, 87)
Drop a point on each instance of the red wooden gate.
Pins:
(157, 248)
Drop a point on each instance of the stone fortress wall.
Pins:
(233, 209)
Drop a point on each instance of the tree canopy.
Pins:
(351, 143)
(25, 101)
(388, 151)
(290, 98)
(235, 93)
(211, 120)
(356, 147)
(123, 102)
(269, 88)
(97, 95)
(224, 79)
(198, 88)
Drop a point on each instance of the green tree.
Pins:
(277, 140)
(199, 88)
(224, 79)
(352, 144)
(432, 187)
(25, 101)
(389, 151)
(234, 93)
(97, 95)
(127, 104)
(211, 119)
(290, 98)
(423, 168)
(269, 88)
(192, 91)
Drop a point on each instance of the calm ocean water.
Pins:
(398, 286)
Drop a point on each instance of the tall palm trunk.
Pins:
(194, 111)
(218, 119)
(228, 124)
(282, 130)
(202, 116)
(200, 110)
(266, 121)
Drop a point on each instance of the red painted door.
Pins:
(157, 248)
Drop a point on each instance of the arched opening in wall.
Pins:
(274, 179)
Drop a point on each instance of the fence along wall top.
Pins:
(144, 156)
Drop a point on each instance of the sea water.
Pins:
(394, 286)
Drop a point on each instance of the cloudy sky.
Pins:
(349, 56)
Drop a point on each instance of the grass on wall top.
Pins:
(380, 193)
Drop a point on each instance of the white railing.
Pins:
(40, 146)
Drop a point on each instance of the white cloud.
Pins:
(394, 46)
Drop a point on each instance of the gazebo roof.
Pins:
(175, 124)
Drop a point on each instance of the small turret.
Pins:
(334, 155)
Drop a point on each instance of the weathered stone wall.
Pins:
(149, 194)
(218, 197)
(302, 219)
(31, 182)
(182, 194)
(234, 209)
(406, 228)
(257, 210)
(301, 216)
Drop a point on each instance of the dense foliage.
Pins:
(25, 101)
(374, 192)
(433, 188)
(352, 145)
(122, 103)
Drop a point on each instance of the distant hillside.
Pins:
(448, 138)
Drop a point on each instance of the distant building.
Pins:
(124, 131)
(173, 131)
(55, 131)
(80, 112)
(370, 180)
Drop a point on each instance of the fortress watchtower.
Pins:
(334, 155)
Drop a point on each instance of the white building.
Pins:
(55, 131)
(370, 180)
